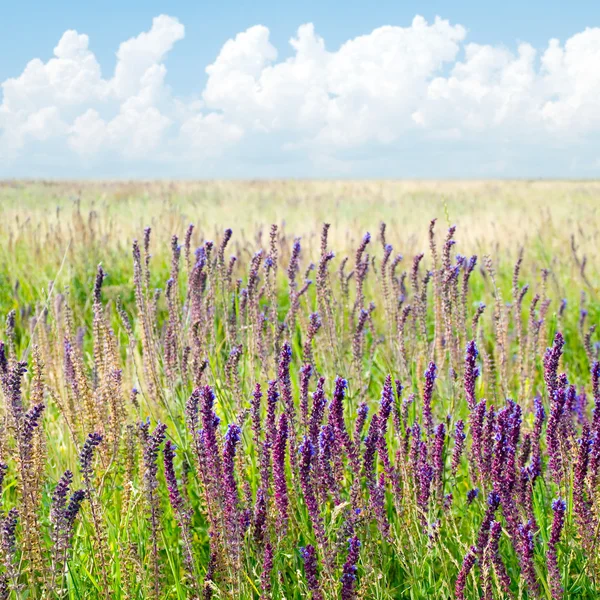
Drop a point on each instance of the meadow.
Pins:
(300, 389)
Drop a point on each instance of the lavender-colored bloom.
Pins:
(265, 577)
(230, 489)
(336, 418)
(437, 457)
(559, 507)
(72, 510)
(496, 559)
(553, 433)
(461, 580)
(255, 413)
(318, 410)
(459, 444)
(581, 507)
(535, 467)
(305, 374)
(210, 422)
(370, 450)
(349, 571)
(306, 468)
(386, 404)
(471, 373)
(493, 502)
(361, 418)
(260, 516)
(327, 483)
(527, 548)
(86, 455)
(472, 494)
(309, 556)
(551, 361)
(476, 419)
(175, 497)
(272, 399)
(279, 476)
(430, 376)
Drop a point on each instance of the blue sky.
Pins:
(481, 95)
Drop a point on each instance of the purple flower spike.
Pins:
(309, 555)
(349, 571)
(471, 373)
(559, 507)
(430, 376)
(461, 580)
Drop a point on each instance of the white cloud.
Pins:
(381, 94)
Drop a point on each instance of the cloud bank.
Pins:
(418, 100)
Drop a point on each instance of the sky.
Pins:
(312, 89)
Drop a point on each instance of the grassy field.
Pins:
(293, 410)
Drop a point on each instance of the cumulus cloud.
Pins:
(418, 86)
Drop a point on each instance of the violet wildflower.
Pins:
(471, 373)
(472, 494)
(361, 417)
(461, 580)
(305, 374)
(493, 502)
(496, 559)
(327, 483)
(86, 455)
(430, 376)
(272, 399)
(279, 476)
(459, 444)
(309, 556)
(437, 457)
(526, 551)
(349, 570)
(318, 410)
(306, 468)
(265, 578)
(551, 361)
(336, 418)
(255, 413)
(535, 467)
(260, 516)
(559, 507)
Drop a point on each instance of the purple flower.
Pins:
(459, 444)
(279, 477)
(527, 549)
(472, 494)
(551, 361)
(438, 457)
(265, 577)
(255, 413)
(559, 507)
(260, 516)
(349, 570)
(305, 374)
(309, 556)
(493, 502)
(461, 580)
(306, 469)
(430, 376)
(386, 404)
(535, 467)
(361, 417)
(175, 496)
(86, 455)
(496, 559)
(336, 418)
(471, 373)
